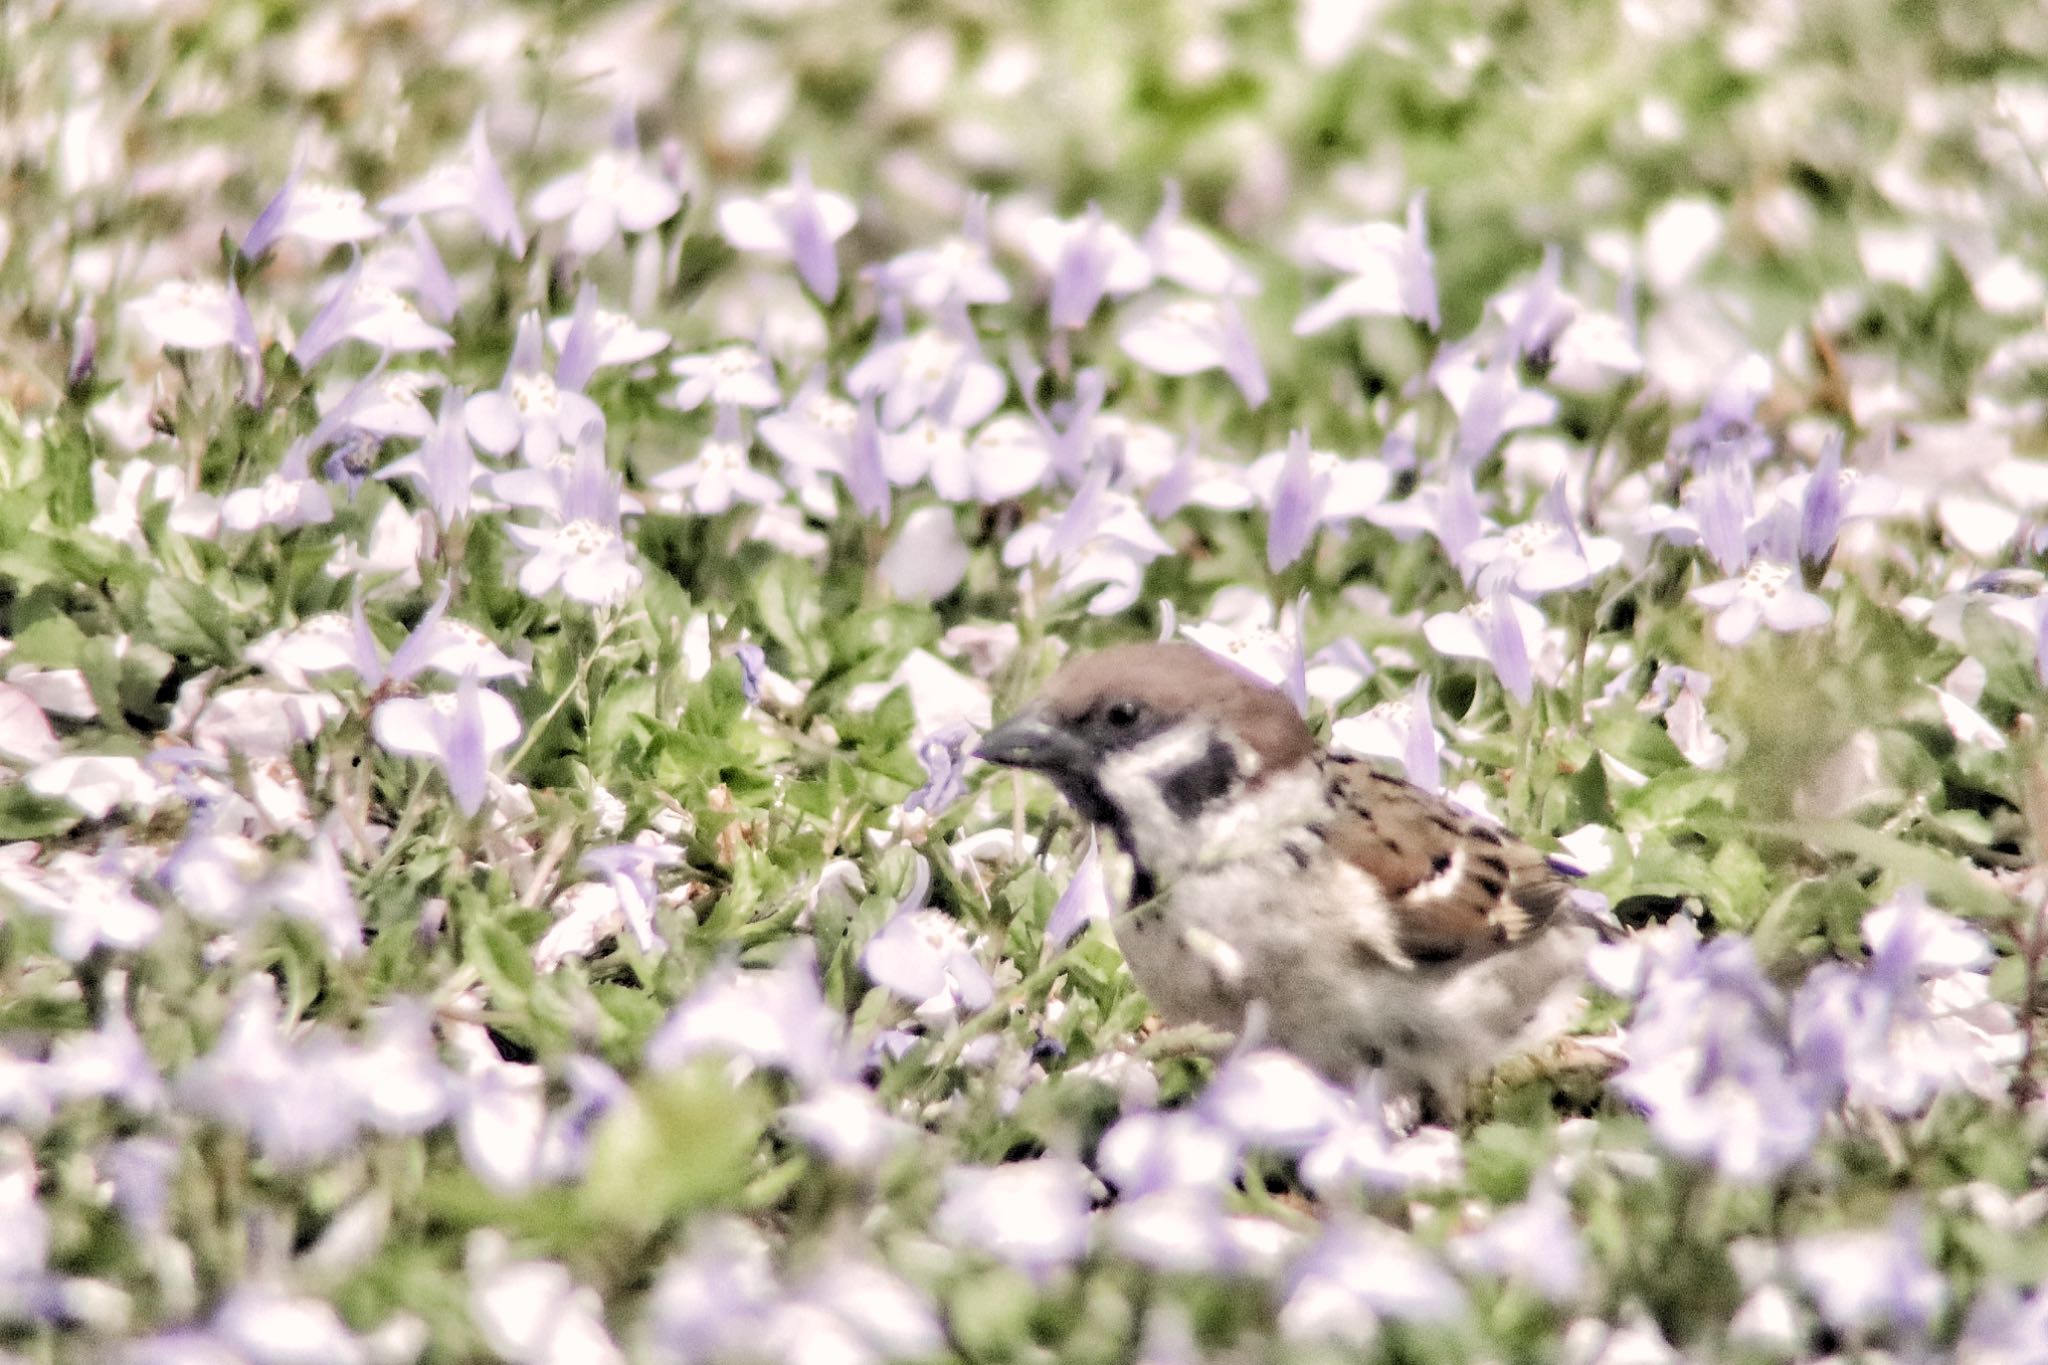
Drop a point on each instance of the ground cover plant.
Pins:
(514, 516)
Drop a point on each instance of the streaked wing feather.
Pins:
(1459, 889)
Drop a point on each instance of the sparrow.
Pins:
(1364, 923)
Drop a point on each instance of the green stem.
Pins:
(408, 819)
(575, 685)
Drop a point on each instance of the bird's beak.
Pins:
(1032, 739)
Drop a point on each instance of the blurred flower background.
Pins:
(514, 516)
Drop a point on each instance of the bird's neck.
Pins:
(1195, 796)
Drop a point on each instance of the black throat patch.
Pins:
(1187, 791)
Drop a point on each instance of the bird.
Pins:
(1364, 924)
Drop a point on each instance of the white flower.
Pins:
(533, 1312)
(1031, 1214)
(614, 193)
(1765, 594)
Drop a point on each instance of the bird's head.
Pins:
(1138, 737)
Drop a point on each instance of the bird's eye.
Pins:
(1121, 714)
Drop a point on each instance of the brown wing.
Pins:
(1459, 889)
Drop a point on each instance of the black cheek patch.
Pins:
(1187, 790)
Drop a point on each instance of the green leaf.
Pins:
(24, 815)
(190, 620)
(501, 959)
(786, 600)
(1945, 877)
(684, 1141)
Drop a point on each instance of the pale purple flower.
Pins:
(581, 550)
(123, 490)
(195, 315)
(1503, 630)
(1719, 506)
(629, 870)
(1916, 1021)
(331, 641)
(936, 371)
(846, 1123)
(1540, 556)
(1726, 432)
(530, 410)
(1573, 347)
(392, 406)
(1190, 256)
(25, 1252)
(1865, 1279)
(717, 1297)
(723, 1301)
(1356, 1274)
(1490, 401)
(617, 192)
(814, 431)
(881, 1312)
(1534, 1244)
(1709, 1060)
(109, 1062)
(293, 1096)
(1449, 510)
(958, 270)
(593, 338)
(324, 215)
(1680, 696)
(1186, 479)
(501, 1118)
(361, 309)
(270, 1326)
(286, 500)
(533, 1312)
(1006, 459)
(1367, 1149)
(1316, 487)
(1240, 626)
(458, 732)
(730, 377)
(2004, 1328)
(1184, 1230)
(1032, 1215)
(943, 754)
(1149, 1151)
(1071, 424)
(318, 891)
(927, 559)
(444, 466)
(774, 1018)
(1085, 258)
(97, 783)
(397, 1075)
(471, 185)
(718, 477)
(1187, 335)
(1764, 594)
(1084, 902)
(1101, 542)
(1392, 273)
(411, 267)
(142, 1170)
(797, 223)
(1291, 506)
(1820, 513)
(1402, 731)
(291, 497)
(925, 957)
(909, 456)
(1270, 1099)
